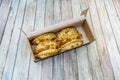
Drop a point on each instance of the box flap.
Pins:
(84, 12)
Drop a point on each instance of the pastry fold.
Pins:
(72, 44)
(45, 45)
(68, 34)
(47, 53)
(49, 44)
(43, 37)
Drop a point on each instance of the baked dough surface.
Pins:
(43, 37)
(49, 44)
(46, 45)
(46, 53)
(72, 44)
(68, 34)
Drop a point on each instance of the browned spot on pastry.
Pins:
(43, 37)
(47, 53)
(45, 45)
(72, 44)
(68, 34)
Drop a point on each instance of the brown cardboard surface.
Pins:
(87, 30)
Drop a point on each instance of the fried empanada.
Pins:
(72, 44)
(45, 45)
(68, 34)
(43, 37)
(47, 53)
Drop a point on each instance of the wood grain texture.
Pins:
(93, 56)
(114, 19)
(5, 10)
(110, 42)
(99, 60)
(21, 68)
(9, 67)
(117, 6)
(39, 24)
(101, 45)
(108, 35)
(7, 35)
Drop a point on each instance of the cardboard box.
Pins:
(80, 23)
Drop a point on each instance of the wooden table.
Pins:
(99, 60)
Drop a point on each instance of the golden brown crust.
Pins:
(45, 45)
(49, 44)
(43, 37)
(68, 34)
(72, 44)
(47, 53)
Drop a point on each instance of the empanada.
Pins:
(47, 53)
(45, 45)
(43, 37)
(72, 44)
(68, 34)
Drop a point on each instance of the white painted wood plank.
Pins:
(4, 13)
(93, 55)
(117, 6)
(101, 45)
(83, 4)
(7, 35)
(103, 52)
(114, 19)
(47, 64)
(57, 11)
(95, 62)
(110, 42)
(21, 68)
(70, 58)
(76, 8)
(84, 67)
(58, 70)
(35, 68)
(9, 67)
(82, 57)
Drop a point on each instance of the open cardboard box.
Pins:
(80, 23)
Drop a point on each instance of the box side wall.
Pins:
(57, 27)
(81, 31)
(88, 31)
(31, 50)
